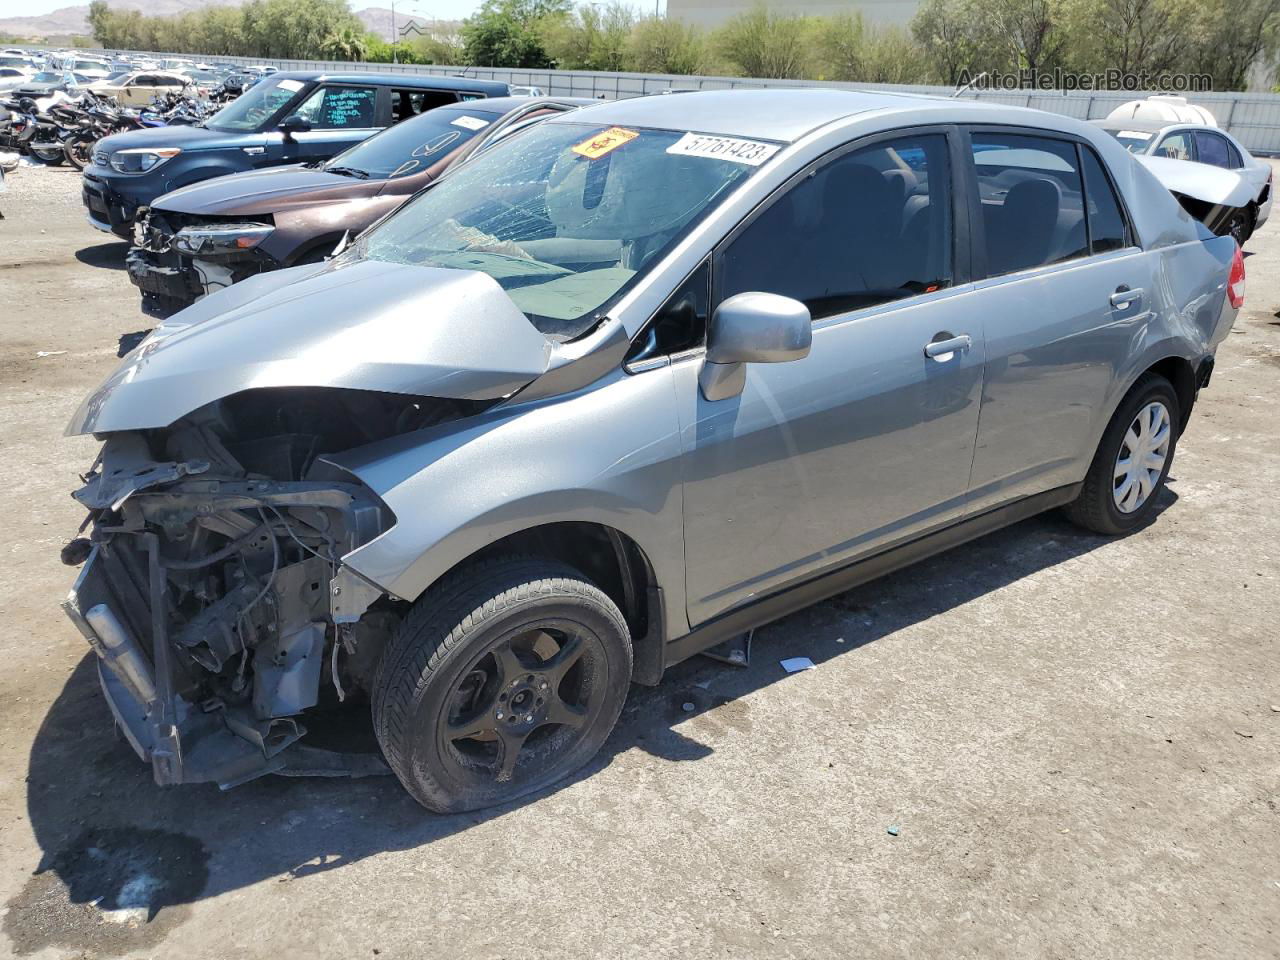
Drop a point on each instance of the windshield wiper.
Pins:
(348, 172)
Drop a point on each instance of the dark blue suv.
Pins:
(286, 118)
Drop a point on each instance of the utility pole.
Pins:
(395, 35)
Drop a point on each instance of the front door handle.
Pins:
(941, 350)
(1124, 296)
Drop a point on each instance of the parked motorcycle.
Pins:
(101, 119)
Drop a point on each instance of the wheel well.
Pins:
(1179, 373)
(613, 562)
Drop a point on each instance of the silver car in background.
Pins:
(614, 393)
(1187, 159)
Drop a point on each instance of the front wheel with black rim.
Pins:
(1132, 462)
(505, 678)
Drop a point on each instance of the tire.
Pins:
(1241, 226)
(1107, 502)
(79, 151)
(492, 636)
(50, 157)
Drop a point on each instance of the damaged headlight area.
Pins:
(213, 587)
(220, 239)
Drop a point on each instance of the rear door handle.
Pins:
(942, 349)
(1124, 296)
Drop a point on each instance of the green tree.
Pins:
(761, 43)
(510, 33)
(891, 56)
(842, 48)
(344, 44)
(100, 18)
(440, 50)
(1232, 39)
(591, 38)
(950, 39)
(662, 45)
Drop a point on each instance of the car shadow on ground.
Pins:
(114, 841)
(108, 255)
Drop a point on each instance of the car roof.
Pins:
(507, 104)
(784, 114)
(1152, 126)
(467, 84)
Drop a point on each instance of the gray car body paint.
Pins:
(642, 452)
(363, 325)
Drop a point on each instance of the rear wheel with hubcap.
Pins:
(504, 678)
(1132, 461)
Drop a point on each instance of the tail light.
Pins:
(1235, 281)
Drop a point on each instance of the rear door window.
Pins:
(1212, 149)
(410, 103)
(869, 227)
(1031, 197)
(339, 108)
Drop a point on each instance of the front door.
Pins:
(340, 117)
(868, 440)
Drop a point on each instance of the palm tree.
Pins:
(344, 44)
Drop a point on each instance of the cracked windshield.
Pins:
(552, 215)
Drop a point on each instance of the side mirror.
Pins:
(752, 328)
(293, 124)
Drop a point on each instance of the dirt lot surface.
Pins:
(1076, 738)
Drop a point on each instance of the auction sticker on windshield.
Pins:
(751, 152)
(471, 123)
(605, 142)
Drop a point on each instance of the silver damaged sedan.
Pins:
(629, 384)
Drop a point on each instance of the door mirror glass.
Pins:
(752, 327)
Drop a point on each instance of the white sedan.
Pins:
(1191, 147)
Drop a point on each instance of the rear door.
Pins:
(1066, 290)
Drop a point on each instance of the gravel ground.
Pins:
(1075, 737)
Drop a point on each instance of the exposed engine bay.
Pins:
(211, 588)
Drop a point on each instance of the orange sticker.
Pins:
(605, 142)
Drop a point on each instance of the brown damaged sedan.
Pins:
(209, 235)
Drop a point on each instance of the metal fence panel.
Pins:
(1253, 118)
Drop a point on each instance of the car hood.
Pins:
(178, 135)
(1200, 180)
(264, 191)
(360, 325)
